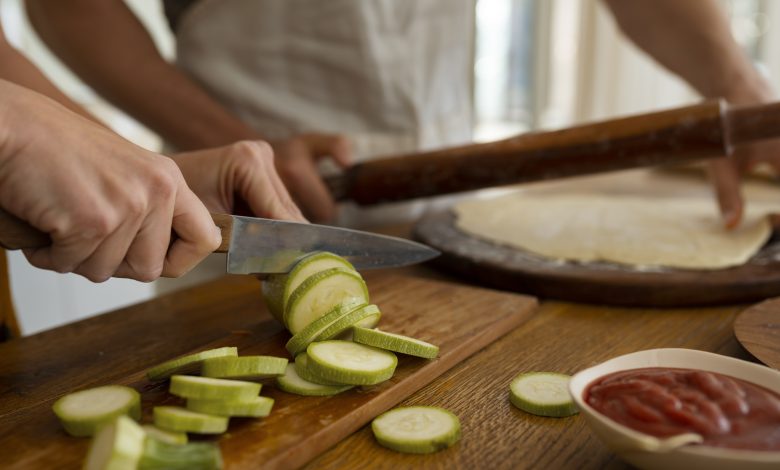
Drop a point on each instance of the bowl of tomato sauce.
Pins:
(683, 408)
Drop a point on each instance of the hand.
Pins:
(726, 173)
(296, 161)
(108, 205)
(244, 169)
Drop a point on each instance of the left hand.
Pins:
(245, 170)
(726, 173)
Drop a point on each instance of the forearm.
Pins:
(693, 40)
(16, 68)
(103, 42)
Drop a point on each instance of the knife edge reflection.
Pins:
(264, 246)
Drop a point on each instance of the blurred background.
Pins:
(539, 64)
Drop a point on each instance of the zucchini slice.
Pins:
(189, 364)
(299, 342)
(291, 382)
(82, 413)
(417, 429)
(366, 316)
(208, 388)
(160, 455)
(257, 407)
(244, 367)
(117, 446)
(319, 293)
(394, 342)
(543, 394)
(278, 287)
(350, 363)
(175, 418)
(171, 437)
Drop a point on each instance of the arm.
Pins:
(15, 68)
(109, 206)
(89, 34)
(693, 40)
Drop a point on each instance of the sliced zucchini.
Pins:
(175, 418)
(543, 394)
(208, 388)
(171, 437)
(291, 382)
(417, 429)
(350, 363)
(244, 367)
(366, 316)
(300, 341)
(319, 293)
(160, 455)
(82, 413)
(278, 287)
(257, 407)
(394, 342)
(117, 446)
(302, 369)
(189, 364)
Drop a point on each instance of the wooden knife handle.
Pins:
(16, 234)
(673, 136)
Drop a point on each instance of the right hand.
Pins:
(109, 206)
(296, 161)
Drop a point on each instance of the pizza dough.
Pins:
(674, 232)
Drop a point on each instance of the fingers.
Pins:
(298, 169)
(196, 234)
(726, 179)
(260, 185)
(330, 145)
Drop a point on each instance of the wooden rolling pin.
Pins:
(707, 130)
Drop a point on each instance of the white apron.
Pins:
(392, 75)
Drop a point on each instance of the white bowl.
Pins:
(649, 452)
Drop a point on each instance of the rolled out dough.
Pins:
(672, 232)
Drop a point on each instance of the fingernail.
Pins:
(730, 218)
(218, 234)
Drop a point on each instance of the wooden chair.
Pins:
(9, 327)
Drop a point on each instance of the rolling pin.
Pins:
(707, 130)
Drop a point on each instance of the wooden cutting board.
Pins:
(517, 270)
(460, 319)
(758, 330)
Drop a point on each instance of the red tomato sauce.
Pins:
(726, 411)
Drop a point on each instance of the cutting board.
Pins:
(460, 319)
(758, 330)
(517, 270)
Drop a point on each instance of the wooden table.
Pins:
(560, 337)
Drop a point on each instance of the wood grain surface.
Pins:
(119, 347)
(514, 269)
(758, 330)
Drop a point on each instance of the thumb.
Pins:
(725, 178)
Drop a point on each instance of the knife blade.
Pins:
(265, 246)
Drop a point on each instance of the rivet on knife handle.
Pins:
(225, 223)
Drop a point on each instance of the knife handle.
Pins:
(667, 137)
(16, 234)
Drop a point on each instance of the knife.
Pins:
(706, 130)
(265, 246)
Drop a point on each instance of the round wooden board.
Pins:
(513, 269)
(758, 330)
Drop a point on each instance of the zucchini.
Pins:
(350, 363)
(244, 367)
(207, 388)
(83, 412)
(542, 394)
(257, 407)
(160, 455)
(174, 418)
(394, 342)
(319, 293)
(291, 382)
(417, 429)
(299, 342)
(366, 316)
(278, 287)
(189, 364)
(117, 446)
